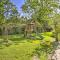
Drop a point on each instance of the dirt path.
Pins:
(56, 55)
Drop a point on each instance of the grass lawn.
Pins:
(21, 51)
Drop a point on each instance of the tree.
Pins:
(40, 10)
(7, 11)
(56, 24)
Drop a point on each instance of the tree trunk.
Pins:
(56, 32)
(56, 36)
(5, 32)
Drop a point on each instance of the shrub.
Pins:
(37, 36)
(47, 40)
(48, 34)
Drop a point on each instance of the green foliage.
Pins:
(19, 48)
(42, 11)
(22, 51)
(37, 36)
(16, 47)
(43, 56)
(50, 34)
(46, 47)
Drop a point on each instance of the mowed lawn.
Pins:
(20, 51)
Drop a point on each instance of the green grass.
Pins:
(22, 51)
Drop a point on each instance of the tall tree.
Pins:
(56, 24)
(7, 10)
(41, 10)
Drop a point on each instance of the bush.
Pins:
(37, 36)
(47, 40)
(48, 34)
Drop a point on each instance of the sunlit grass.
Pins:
(22, 51)
(21, 48)
(36, 41)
